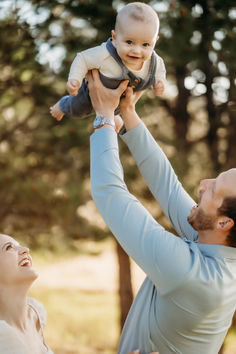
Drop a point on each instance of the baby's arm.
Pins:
(159, 86)
(78, 70)
(86, 60)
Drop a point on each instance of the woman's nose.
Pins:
(23, 250)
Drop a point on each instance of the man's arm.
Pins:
(156, 169)
(163, 257)
(166, 259)
(161, 179)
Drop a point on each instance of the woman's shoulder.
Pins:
(39, 309)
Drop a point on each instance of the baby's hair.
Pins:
(139, 12)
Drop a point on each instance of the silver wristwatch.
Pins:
(100, 121)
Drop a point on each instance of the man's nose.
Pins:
(205, 182)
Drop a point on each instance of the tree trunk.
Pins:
(180, 110)
(125, 286)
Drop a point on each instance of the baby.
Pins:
(127, 55)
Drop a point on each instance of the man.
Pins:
(188, 299)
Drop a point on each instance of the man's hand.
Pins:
(104, 100)
(129, 100)
(72, 87)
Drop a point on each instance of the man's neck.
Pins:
(212, 237)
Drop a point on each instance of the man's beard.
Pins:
(200, 220)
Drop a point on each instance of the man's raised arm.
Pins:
(156, 168)
(148, 243)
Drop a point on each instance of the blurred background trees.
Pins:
(44, 164)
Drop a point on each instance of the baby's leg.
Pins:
(56, 111)
(77, 106)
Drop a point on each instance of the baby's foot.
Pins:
(56, 111)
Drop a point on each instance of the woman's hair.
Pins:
(228, 208)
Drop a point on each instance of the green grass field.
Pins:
(87, 322)
(80, 322)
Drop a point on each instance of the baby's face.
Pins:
(135, 42)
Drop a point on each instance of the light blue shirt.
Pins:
(187, 301)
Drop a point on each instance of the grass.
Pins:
(80, 322)
(87, 322)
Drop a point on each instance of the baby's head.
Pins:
(135, 34)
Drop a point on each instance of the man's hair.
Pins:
(228, 208)
(137, 11)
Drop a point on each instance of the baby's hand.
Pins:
(159, 88)
(73, 87)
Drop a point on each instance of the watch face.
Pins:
(100, 121)
(97, 121)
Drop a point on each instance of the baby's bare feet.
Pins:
(56, 111)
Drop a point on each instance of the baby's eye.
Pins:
(129, 41)
(9, 247)
(146, 44)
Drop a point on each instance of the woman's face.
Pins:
(15, 263)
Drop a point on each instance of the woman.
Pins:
(22, 319)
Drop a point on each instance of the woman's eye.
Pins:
(129, 42)
(146, 44)
(8, 247)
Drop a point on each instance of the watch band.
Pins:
(100, 121)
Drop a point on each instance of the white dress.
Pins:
(11, 343)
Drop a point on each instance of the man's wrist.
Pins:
(101, 121)
(105, 113)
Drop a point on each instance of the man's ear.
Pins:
(113, 35)
(224, 223)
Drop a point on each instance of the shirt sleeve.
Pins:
(91, 58)
(165, 258)
(9, 342)
(160, 70)
(161, 179)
